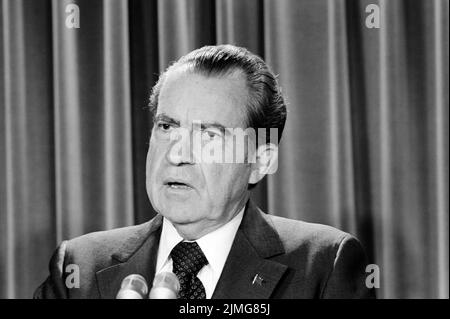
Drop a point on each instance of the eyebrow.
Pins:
(217, 125)
(165, 118)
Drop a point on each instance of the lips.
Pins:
(177, 184)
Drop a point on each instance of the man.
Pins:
(207, 231)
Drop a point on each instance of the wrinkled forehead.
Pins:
(188, 96)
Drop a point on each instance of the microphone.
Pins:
(165, 286)
(133, 287)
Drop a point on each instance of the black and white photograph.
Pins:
(224, 149)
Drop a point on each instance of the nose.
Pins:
(180, 151)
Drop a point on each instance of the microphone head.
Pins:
(165, 286)
(133, 287)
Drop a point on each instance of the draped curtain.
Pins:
(365, 147)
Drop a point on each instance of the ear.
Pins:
(266, 162)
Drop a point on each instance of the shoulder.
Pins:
(296, 234)
(89, 254)
(317, 250)
(108, 239)
(97, 248)
(323, 256)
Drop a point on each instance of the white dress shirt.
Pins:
(222, 237)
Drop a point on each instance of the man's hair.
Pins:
(265, 107)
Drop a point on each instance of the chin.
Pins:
(179, 214)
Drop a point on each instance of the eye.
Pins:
(211, 135)
(164, 127)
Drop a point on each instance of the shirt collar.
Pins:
(223, 235)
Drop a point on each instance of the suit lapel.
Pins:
(248, 272)
(136, 256)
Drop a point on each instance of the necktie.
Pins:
(188, 259)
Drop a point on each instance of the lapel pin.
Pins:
(258, 280)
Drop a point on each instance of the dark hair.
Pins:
(266, 107)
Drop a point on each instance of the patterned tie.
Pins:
(188, 259)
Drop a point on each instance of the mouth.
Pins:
(178, 185)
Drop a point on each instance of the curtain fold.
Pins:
(365, 147)
(118, 199)
(184, 26)
(26, 213)
(437, 142)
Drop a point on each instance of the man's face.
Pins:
(191, 193)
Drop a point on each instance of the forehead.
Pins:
(187, 97)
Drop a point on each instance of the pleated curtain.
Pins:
(365, 147)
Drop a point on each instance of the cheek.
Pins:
(154, 160)
(150, 160)
(226, 180)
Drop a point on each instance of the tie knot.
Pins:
(188, 258)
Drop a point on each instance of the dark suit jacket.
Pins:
(294, 259)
